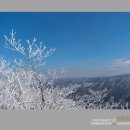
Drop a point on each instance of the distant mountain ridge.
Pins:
(117, 86)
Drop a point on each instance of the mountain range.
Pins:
(117, 86)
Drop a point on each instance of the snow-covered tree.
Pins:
(23, 87)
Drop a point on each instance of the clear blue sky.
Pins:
(87, 43)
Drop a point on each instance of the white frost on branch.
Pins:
(14, 44)
(34, 55)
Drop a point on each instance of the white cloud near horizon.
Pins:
(116, 67)
(120, 64)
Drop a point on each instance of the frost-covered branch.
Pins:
(33, 56)
(14, 44)
(37, 53)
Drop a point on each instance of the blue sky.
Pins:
(87, 44)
